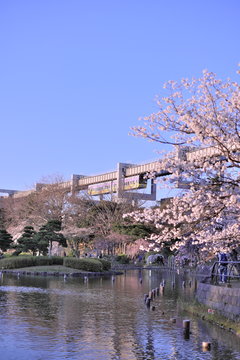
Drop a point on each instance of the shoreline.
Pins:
(59, 274)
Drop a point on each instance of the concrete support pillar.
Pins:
(74, 183)
(153, 190)
(182, 155)
(120, 180)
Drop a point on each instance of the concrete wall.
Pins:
(225, 300)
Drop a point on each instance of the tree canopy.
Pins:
(5, 240)
(49, 233)
(42, 240)
(200, 118)
(27, 241)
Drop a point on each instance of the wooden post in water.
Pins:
(161, 289)
(206, 346)
(148, 302)
(186, 325)
(186, 329)
(150, 295)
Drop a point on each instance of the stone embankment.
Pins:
(225, 300)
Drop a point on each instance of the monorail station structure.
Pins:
(120, 183)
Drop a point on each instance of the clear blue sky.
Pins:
(75, 75)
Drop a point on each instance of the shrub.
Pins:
(46, 260)
(94, 265)
(122, 259)
(16, 262)
(106, 264)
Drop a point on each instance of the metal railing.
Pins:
(225, 271)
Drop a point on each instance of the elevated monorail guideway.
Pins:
(9, 192)
(124, 179)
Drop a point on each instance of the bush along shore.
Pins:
(56, 266)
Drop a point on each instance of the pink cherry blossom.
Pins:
(200, 118)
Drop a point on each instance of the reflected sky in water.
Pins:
(104, 318)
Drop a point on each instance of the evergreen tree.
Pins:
(5, 240)
(137, 231)
(42, 241)
(53, 225)
(2, 216)
(49, 233)
(27, 241)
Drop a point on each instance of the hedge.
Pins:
(122, 259)
(16, 262)
(94, 265)
(106, 264)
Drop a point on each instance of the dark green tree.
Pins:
(27, 241)
(2, 219)
(137, 231)
(5, 240)
(49, 233)
(53, 225)
(42, 241)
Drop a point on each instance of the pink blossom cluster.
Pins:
(200, 118)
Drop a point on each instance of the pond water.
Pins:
(104, 318)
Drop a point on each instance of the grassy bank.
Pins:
(213, 316)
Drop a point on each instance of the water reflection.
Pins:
(53, 318)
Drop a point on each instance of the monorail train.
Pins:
(108, 187)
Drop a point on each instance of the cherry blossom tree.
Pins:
(200, 119)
